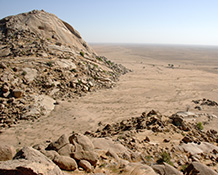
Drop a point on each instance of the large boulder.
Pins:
(90, 156)
(107, 144)
(31, 162)
(85, 165)
(66, 150)
(194, 148)
(65, 163)
(197, 168)
(165, 168)
(61, 142)
(104, 144)
(82, 140)
(6, 152)
(139, 169)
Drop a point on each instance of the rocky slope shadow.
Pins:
(43, 59)
(149, 144)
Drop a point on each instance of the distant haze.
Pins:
(192, 22)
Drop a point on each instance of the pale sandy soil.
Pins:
(151, 85)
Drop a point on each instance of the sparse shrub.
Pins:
(95, 65)
(148, 158)
(183, 168)
(73, 70)
(24, 73)
(99, 58)
(102, 165)
(50, 63)
(82, 54)
(165, 157)
(200, 126)
(109, 62)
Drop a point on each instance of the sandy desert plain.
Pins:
(152, 84)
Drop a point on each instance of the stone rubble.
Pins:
(128, 147)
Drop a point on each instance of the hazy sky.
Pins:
(131, 21)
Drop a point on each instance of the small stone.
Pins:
(85, 165)
(5, 88)
(147, 139)
(166, 140)
(3, 66)
(17, 93)
(5, 52)
(187, 139)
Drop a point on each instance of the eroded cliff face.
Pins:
(43, 59)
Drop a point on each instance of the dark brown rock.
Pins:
(85, 165)
(187, 139)
(17, 93)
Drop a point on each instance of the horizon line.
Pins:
(161, 44)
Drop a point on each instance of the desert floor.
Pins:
(152, 84)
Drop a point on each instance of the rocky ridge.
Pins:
(44, 60)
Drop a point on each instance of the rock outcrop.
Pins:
(44, 59)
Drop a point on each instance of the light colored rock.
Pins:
(104, 144)
(3, 66)
(66, 150)
(41, 102)
(139, 169)
(185, 114)
(111, 153)
(90, 156)
(58, 144)
(6, 152)
(85, 165)
(199, 169)
(50, 154)
(165, 168)
(65, 163)
(30, 161)
(35, 22)
(29, 167)
(82, 140)
(30, 74)
(63, 63)
(5, 52)
(194, 148)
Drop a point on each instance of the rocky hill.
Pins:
(44, 59)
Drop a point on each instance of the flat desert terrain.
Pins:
(163, 78)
